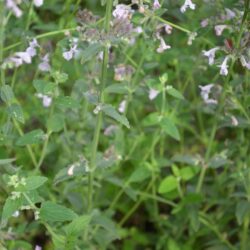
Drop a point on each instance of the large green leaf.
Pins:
(78, 225)
(32, 182)
(53, 212)
(6, 93)
(15, 111)
(67, 102)
(33, 137)
(169, 128)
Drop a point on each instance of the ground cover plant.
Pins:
(124, 124)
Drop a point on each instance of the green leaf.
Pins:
(59, 77)
(44, 87)
(169, 127)
(111, 112)
(67, 102)
(52, 212)
(78, 225)
(6, 93)
(188, 173)
(173, 92)
(242, 210)
(140, 174)
(16, 112)
(32, 182)
(169, 184)
(151, 119)
(55, 123)
(10, 206)
(117, 89)
(92, 50)
(6, 161)
(33, 137)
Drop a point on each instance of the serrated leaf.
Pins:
(67, 102)
(174, 92)
(169, 128)
(32, 183)
(55, 123)
(59, 77)
(92, 50)
(78, 225)
(10, 206)
(168, 184)
(242, 210)
(6, 161)
(151, 119)
(111, 112)
(44, 87)
(52, 212)
(16, 112)
(33, 137)
(6, 93)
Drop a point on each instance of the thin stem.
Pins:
(2, 25)
(99, 116)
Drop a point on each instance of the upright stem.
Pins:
(99, 116)
(2, 24)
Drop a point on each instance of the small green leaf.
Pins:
(32, 182)
(55, 123)
(140, 174)
(59, 77)
(188, 173)
(151, 119)
(169, 184)
(92, 50)
(53, 212)
(242, 210)
(169, 127)
(16, 112)
(173, 92)
(67, 102)
(111, 112)
(6, 93)
(33, 137)
(117, 89)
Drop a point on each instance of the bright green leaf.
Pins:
(169, 184)
(169, 128)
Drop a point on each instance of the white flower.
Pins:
(68, 55)
(163, 46)
(16, 214)
(224, 67)
(138, 30)
(153, 93)
(122, 106)
(24, 56)
(168, 29)
(219, 29)
(156, 5)
(44, 64)
(71, 170)
(244, 63)
(205, 91)
(191, 37)
(187, 4)
(122, 11)
(11, 5)
(210, 54)
(47, 100)
(38, 3)
(234, 121)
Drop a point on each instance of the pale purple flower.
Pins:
(122, 106)
(38, 3)
(156, 5)
(204, 23)
(210, 54)
(205, 92)
(244, 63)
(38, 247)
(163, 46)
(191, 37)
(138, 30)
(68, 55)
(187, 4)
(12, 5)
(234, 121)
(224, 67)
(153, 93)
(44, 64)
(122, 11)
(219, 29)
(168, 29)
(47, 100)
(229, 14)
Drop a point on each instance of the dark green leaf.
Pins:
(33, 137)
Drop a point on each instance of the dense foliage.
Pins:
(124, 124)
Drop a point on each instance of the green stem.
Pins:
(2, 29)
(99, 116)
(244, 243)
